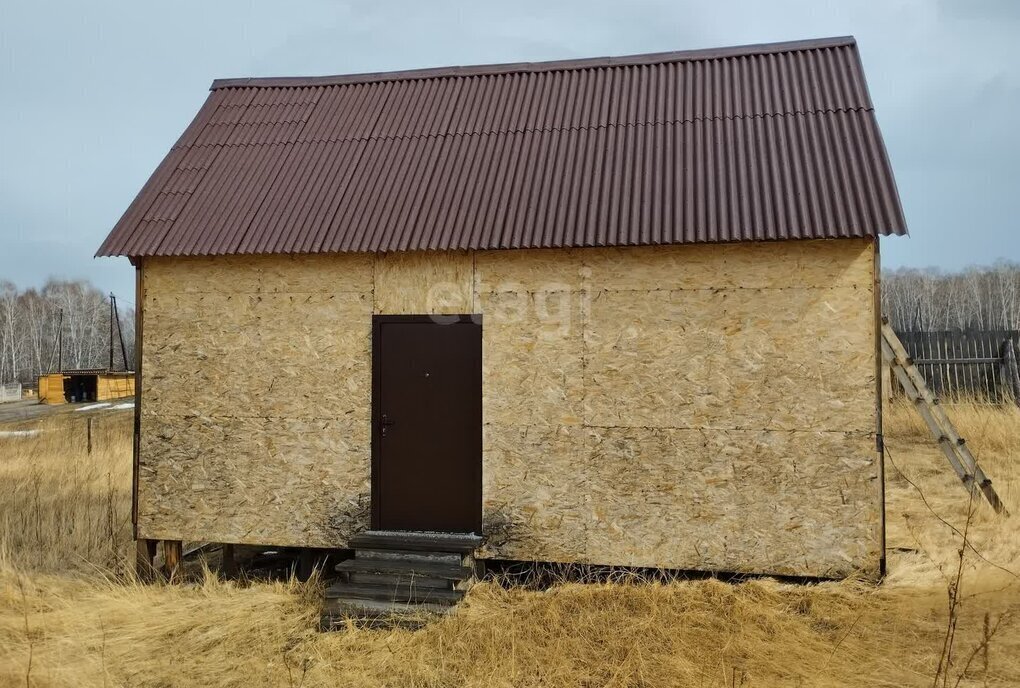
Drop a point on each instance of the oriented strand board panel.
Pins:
(424, 283)
(795, 503)
(256, 274)
(727, 415)
(702, 407)
(253, 480)
(539, 270)
(532, 358)
(534, 498)
(256, 398)
(765, 265)
(731, 359)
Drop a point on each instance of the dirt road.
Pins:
(30, 409)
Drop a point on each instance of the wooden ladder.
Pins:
(941, 428)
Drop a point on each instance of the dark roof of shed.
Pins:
(775, 141)
(91, 371)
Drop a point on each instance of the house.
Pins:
(616, 311)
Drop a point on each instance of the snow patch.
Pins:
(92, 407)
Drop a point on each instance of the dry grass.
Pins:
(993, 435)
(87, 628)
(60, 506)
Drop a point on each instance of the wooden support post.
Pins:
(228, 564)
(145, 553)
(306, 564)
(887, 383)
(136, 444)
(172, 556)
(88, 434)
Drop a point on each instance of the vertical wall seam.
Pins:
(585, 439)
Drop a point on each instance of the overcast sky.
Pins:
(93, 94)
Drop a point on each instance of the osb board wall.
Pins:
(256, 385)
(706, 407)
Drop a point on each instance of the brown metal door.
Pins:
(427, 423)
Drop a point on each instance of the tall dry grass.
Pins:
(60, 506)
(71, 626)
(923, 547)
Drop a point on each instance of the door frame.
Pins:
(378, 320)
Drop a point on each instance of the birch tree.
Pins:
(74, 313)
(974, 299)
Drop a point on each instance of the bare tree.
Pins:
(74, 313)
(977, 298)
(10, 336)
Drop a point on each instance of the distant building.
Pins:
(97, 384)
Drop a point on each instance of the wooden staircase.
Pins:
(399, 577)
(941, 428)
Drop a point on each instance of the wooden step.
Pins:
(402, 594)
(433, 569)
(421, 556)
(399, 577)
(463, 543)
(374, 614)
(395, 579)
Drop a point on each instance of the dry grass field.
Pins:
(70, 614)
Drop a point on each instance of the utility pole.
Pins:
(60, 342)
(111, 331)
(120, 333)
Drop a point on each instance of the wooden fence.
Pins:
(978, 363)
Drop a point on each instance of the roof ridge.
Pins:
(536, 67)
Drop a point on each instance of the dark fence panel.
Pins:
(976, 363)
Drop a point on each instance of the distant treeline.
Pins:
(986, 298)
(30, 321)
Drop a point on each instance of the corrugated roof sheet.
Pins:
(753, 143)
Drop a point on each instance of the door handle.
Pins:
(384, 423)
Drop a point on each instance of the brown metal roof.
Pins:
(752, 143)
